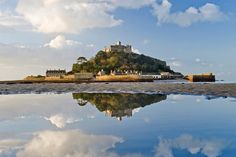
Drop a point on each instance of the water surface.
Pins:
(114, 125)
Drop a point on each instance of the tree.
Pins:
(81, 60)
(121, 61)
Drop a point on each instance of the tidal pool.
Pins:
(116, 125)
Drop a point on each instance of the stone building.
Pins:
(118, 47)
(55, 73)
(84, 76)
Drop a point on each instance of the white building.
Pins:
(118, 47)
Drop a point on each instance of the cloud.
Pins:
(60, 42)
(173, 62)
(74, 16)
(69, 143)
(60, 16)
(197, 60)
(9, 146)
(131, 4)
(61, 121)
(146, 41)
(207, 13)
(27, 60)
(209, 148)
(203, 63)
(8, 19)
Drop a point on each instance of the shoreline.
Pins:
(69, 81)
(206, 89)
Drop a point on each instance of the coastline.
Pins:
(71, 81)
(207, 89)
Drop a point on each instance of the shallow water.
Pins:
(111, 125)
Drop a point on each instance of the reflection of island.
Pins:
(118, 104)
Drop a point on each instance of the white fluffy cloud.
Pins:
(72, 16)
(60, 42)
(62, 16)
(70, 144)
(207, 13)
(210, 148)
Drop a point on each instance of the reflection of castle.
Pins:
(82, 102)
(118, 104)
(119, 113)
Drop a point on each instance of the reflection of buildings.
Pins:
(118, 104)
(82, 102)
(119, 113)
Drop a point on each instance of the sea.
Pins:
(116, 125)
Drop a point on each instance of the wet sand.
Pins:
(210, 89)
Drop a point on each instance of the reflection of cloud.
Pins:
(70, 144)
(175, 98)
(136, 110)
(9, 146)
(147, 120)
(18, 108)
(90, 116)
(210, 148)
(60, 121)
(198, 100)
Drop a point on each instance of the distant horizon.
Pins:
(193, 37)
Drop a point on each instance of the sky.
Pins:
(193, 36)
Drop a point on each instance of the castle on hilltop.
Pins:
(118, 47)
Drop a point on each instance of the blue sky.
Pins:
(193, 36)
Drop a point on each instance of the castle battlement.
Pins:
(118, 47)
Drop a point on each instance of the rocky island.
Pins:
(115, 63)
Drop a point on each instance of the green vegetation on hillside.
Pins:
(112, 101)
(121, 61)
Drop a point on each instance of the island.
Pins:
(115, 63)
(110, 103)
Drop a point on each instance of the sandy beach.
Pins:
(210, 89)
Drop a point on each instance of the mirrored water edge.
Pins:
(116, 124)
